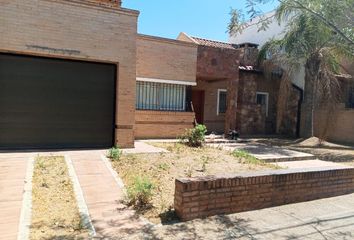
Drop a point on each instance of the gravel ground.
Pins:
(182, 161)
(55, 214)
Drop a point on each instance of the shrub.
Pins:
(114, 153)
(195, 137)
(140, 192)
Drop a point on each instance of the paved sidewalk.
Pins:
(325, 219)
(103, 196)
(12, 180)
(308, 164)
(266, 153)
(143, 147)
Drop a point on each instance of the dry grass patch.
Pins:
(182, 161)
(55, 214)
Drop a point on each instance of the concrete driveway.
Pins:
(13, 168)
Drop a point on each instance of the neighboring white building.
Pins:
(252, 35)
(274, 31)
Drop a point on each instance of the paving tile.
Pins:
(103, 196)
(12, 180)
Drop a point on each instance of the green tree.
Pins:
(318, 34)
(336, 15)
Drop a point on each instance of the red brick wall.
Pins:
(162, 58)
(161, 124)
(78, 30)
(202, 197)
(213, 122)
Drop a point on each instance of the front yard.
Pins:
(181, 161)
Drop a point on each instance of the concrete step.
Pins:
(266, 153)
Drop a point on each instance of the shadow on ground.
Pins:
(263, 224)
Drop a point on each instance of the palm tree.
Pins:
(311, 42)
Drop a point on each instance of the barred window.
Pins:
(160, 96)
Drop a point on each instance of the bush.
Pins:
(114, 153)
(140, 192)
(195, 137)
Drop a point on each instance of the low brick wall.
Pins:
(207, 196)
(160, 124)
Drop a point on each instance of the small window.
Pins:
(221, 104)
(262, 99)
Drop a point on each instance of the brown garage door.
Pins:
(53, 103)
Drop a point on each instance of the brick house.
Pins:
(76, 74)
(335, 125)
(219, 63)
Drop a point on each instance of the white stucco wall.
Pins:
(251, 34)
(274, 30)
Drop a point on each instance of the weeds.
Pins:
(115, 153)
(140, 192)
(205, 161)
(164, 166)
(247, 157)
(189, 171)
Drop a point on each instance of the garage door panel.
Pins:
(51, 103)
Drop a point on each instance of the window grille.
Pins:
(160, 96)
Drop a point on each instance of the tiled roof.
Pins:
(212, 43)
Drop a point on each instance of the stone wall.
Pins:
(203, 197)
(160, 124)
(217, 63)
(271, 86)
(78, 30)
(290, 118)
(249, 119)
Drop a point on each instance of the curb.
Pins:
(121, 185)
(83, 209)
(26, 209)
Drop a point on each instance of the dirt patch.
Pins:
(316, 142)
(55, 214)
(182, 161)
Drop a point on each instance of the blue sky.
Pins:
(202, 18)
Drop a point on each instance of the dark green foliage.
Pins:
(195, 137)
(114, 153)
